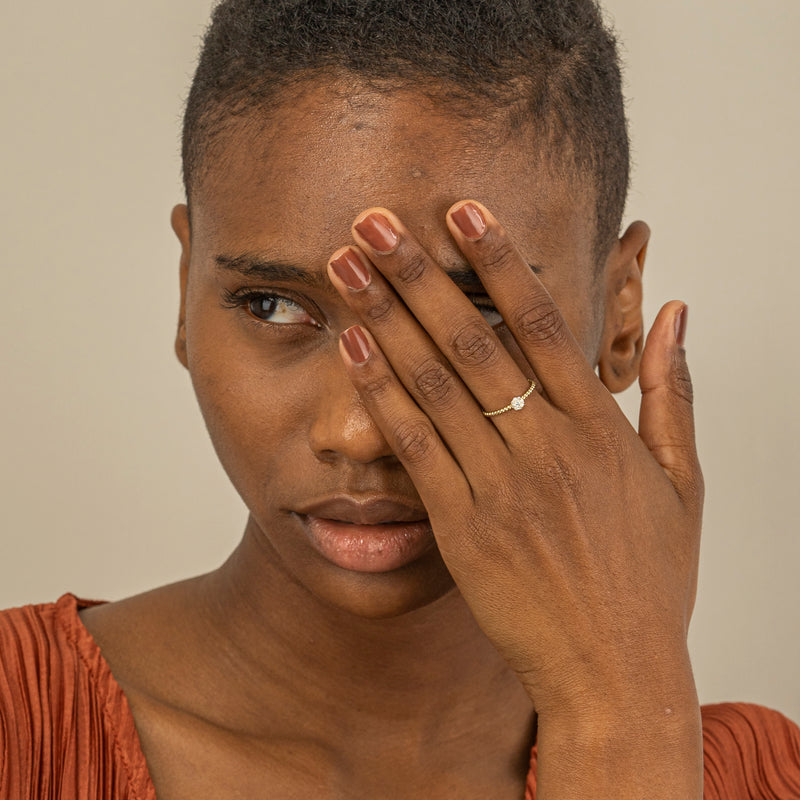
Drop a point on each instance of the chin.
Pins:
(375, 595)
(363, 593)
(385, 595)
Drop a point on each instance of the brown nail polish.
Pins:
(351, 270)
(681, 321)
(356, 344)
(470, 221)
(378, 233)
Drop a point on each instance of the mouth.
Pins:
(370, 535)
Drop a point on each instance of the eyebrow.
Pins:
(254, 266)
(269, 270)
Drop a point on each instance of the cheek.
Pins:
(256, 399)
(581, 306)
(250, 413)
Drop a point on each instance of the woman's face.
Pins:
(261, 342)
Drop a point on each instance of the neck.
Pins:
(428, 675)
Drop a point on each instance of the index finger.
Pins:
(530, 313)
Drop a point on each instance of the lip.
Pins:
(371, 535)
(365, 510)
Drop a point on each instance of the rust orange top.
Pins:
(67, 733)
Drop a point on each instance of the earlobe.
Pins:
(623, 333)
(180, 224)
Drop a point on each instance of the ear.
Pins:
(180, 224)
(623, 331)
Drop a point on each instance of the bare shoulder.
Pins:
(196, 731)
(150, 640)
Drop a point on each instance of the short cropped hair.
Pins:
(553, 64)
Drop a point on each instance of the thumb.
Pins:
(666, 419)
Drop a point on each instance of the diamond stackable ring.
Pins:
(516, 403)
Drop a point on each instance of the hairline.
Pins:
(509, 120)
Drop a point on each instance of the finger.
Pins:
(531, 315)
(407, 430)
(459, 330)
(417, 362)
(666, 419)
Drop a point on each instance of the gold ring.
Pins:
(516, 403)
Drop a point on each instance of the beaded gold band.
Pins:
(516, 403)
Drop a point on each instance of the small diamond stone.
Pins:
(517, 403)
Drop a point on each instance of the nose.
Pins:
(342, 428)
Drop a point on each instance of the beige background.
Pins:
(108, 483)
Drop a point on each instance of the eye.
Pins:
(489, 312)
(278, 310)
(270, 308)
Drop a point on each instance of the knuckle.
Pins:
(562, 472)
(500, 256)
(682, 381)
(689, 487)
(375, 386)
(699, 485)
(473, 345)
(540, 322)
(492, 539)
(559, 472)
(413, 268)
(380, 311)
(434, 383)
(413, 441)
(692, 476)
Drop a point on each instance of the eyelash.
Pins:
(483, 303)
(244, 297)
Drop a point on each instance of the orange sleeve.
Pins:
(750, 752)
(66, 732)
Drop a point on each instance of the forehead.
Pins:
(300, 174)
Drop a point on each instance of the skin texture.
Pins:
(563, 571)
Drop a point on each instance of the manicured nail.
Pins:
(356, 344)
(378, 232)
(681, 321)
(351, 270)
(470, 221)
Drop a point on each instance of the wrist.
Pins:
(622, 757)
(643, 680)
(624, 741)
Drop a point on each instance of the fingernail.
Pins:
(681, 321)
(356, 344)
(470, 221)
(351, 270)
(378, 232)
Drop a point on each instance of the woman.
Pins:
(457, 547)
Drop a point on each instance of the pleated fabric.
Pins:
(67, 733)
(66, 730)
